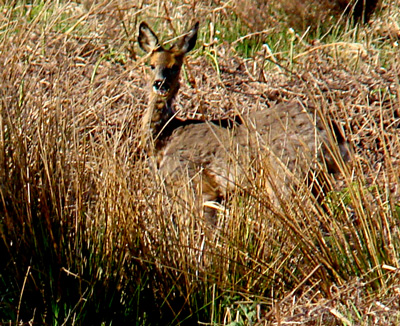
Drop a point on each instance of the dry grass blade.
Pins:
(87, 230)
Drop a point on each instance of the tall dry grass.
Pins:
(88, 234)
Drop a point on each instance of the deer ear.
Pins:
(189, 40)
(147, 39)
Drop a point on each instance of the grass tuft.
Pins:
(88, 235)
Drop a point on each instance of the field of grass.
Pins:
(88, 235)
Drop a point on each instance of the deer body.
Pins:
(216, 156)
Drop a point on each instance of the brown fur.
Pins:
(214, 158)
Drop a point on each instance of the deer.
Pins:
(215, 156)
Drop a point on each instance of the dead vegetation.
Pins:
(302, 15)
(85, 225)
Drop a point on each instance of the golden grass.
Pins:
(85, 223)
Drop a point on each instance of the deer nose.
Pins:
(160, 86)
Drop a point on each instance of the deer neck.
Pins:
(159, 114)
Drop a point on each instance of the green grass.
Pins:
(88, 236)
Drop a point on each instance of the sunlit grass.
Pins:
(88, 235)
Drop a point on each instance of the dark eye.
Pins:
(152, 67)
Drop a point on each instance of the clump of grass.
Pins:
(322, 16)
(87, 232)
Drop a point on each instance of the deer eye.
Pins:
(152, 67)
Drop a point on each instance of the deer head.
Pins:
(165, 63)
